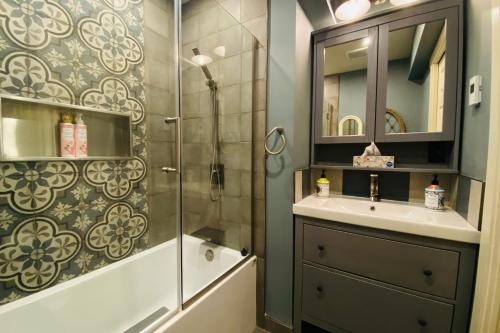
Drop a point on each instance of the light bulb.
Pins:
(401, 2)
(352, 9)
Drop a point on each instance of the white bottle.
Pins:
(67, 133)
(80, 137)
(323, 186)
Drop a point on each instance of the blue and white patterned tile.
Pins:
(33, 24)
(118, 233)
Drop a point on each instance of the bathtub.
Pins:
(119, 296)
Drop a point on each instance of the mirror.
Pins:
(415, 78)
(345, 85)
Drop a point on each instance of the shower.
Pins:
(216, 168)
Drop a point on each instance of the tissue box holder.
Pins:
(383, 162)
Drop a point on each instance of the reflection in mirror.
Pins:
(344, 95)
(415, 80)
(350, 125)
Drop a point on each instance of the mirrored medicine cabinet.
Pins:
(395, 78)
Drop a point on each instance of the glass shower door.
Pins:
(217, 74)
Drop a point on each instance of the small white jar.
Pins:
(434, 197)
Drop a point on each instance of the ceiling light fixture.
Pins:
(347, 10)
(401, 2)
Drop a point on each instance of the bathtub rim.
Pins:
(57, 288)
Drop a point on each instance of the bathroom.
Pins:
(239, 166)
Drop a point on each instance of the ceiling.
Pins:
(318, 12)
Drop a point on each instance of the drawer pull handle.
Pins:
(319, 289)
(321, 247)
(422, 322)
(427, 272)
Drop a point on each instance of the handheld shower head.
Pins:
(204, 67)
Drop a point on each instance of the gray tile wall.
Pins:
(159, 82)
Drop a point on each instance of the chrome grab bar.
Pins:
(281, 131)
(177, 121)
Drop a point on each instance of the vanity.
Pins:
(394, 79)
(382, 267)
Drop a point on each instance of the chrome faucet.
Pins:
(374, 196)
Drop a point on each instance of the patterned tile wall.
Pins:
(59, 220)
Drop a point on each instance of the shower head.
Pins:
(204, 67)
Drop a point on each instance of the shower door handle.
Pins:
(177, 122)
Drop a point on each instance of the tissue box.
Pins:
(384, 162)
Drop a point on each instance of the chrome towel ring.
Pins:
(281, 132)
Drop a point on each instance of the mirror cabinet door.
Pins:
(345, 85)
(417, 79)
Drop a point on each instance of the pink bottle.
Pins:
(81, 137)
(67, 132)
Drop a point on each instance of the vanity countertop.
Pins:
(389, 215)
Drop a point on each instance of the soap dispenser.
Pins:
(434, 195)
(323, 186)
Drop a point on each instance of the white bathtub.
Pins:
(118, 296)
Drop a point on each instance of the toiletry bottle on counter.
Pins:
(80, 137)
(434, 195)
(67, 132)
(323, 186)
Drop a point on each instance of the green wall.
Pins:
(478, 61)
(288, 106)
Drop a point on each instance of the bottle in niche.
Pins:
(67, 132)
(81, 137)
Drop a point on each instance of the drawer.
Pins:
(421, 268)
(359, 306)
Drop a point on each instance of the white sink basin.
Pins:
(401, 217)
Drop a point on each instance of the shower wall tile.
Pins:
(233, 7)
(247, 70)
(191, 130)
(191, 106)
(208, 22)
(247, 89)
(251, 9)
(230, 128)
(258, 27)
(232, 183)
(231, 38)
(155, 11)
(246, 183)
(230, 71)
(230, 100)
(245, 127)
(190, 29)
(158, 47)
